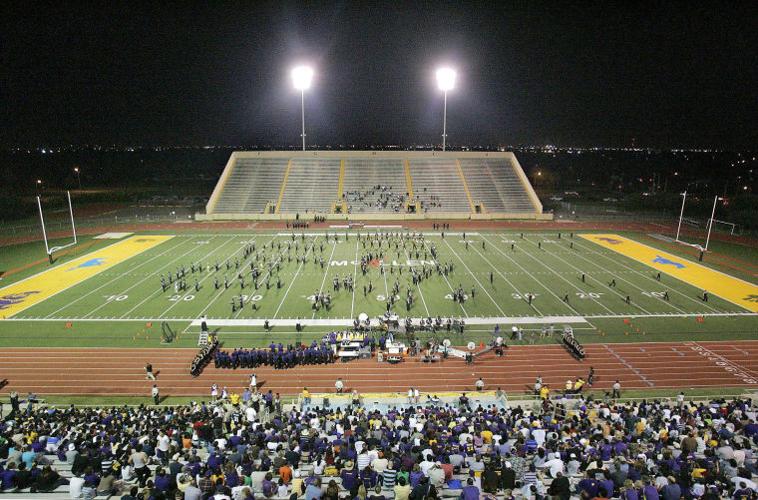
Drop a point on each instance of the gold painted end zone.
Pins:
(34, 289)
(728, 287)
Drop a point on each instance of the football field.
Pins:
(506, 278)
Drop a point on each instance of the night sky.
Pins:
(664, 74)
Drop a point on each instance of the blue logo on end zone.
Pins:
(666, 262)
(15, 298)
(97, 261)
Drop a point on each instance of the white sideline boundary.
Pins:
(515, 320)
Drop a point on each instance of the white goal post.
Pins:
(50, 250)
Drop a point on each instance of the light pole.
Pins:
(38, 185)
(445, 82)
(78, 179)
(301, 79)
(710, 223)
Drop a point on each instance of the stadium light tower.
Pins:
(445, 82)
(301, 79)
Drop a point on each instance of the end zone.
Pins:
(727, 287)
(35, 289)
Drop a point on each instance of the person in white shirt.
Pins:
(555, 465)
(339, 386)
(253, 383)
(426, 465)
(75, 485)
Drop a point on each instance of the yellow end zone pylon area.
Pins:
(34, 289)
(727, 287)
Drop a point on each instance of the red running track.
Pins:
(637, 365)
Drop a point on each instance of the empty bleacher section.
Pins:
(438, 186)
(311, 186)
(495, 183)
(373, 185)
(252, 184)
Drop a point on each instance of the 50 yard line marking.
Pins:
(477, 280)
(418, 286)
(180, 243)
(326, 273)
(446, 281)
(355, 277)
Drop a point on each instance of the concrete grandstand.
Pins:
(271, 185)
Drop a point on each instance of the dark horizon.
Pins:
(674, 75)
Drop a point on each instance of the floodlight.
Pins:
(446, 79)
(302, 77)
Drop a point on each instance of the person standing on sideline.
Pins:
(616, 390)
(479, 384)
(156, 394)
(149, 372)
(253, 383)
(339, 386)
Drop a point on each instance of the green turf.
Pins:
(130, 292)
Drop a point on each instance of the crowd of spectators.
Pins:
(597, 450)
(378, 198)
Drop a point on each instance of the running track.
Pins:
(636, 365)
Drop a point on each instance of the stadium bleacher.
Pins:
(378, 184)
(495, 183)
(508, 450)
(373, 185)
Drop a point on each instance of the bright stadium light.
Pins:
(446, 79)
(302, 76)
(445, 82)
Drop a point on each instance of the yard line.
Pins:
(654, 280)
(159, 292)
(326, 273)
(476, 279)
(557, 274)
(292, 281)
(355, 277)
(151, 275)
(526, 271)
(446, 281)
(250, 296)
(114, 279)
(590, 276)
(418, 286)
(221, 292)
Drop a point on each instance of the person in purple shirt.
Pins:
(162, 480)
(470, 492)
(649, 492)
(588, 485)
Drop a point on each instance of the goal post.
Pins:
(48, 249)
